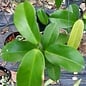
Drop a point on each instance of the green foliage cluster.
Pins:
(48, 50)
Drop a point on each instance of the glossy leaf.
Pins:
(15, 50)
(64, 18)
(63, 14)
(76, 34)
(53, 71)
(67, 57)
(32, 20)
(25, 21)
(62, 23)
(50, 35)
(74, 9)
(58, 3)
(62, 38)
(31, 69)
(42, 16)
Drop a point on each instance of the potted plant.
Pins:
(40, 51)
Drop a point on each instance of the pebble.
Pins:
(74, 78)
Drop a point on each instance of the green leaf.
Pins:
(50, 35)
(67, 57)
(62, 38)
(62, 23)
(63, 14)
(15, 50)
(31, 18)
(64, 18)
(25, 21)
(53, 71)
(74, 9)
(76, 34)
(31, 69)
(58, 3)
(42, 16)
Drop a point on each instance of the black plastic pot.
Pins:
(11, 37)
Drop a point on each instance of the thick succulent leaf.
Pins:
(58, 3)
(64, 18)
(25, 21)
(50, 35)
(42, 16)
(31, 69)
(53, 71)
(68, 57)
(74, 9)
(76, 34)
(62, 23)
(31, 18)
(15, 50)
(62, 38)
(63, 14)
